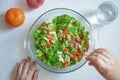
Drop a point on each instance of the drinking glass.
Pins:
(106, 13)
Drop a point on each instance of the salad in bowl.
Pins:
(55, 37)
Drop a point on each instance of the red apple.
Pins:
(35, 3)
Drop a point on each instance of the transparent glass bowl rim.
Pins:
(29, 35)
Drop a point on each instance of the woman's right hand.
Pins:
(105, 63)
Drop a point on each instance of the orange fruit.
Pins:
(15, 17)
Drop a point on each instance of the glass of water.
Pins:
(106, 13)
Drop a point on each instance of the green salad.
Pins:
(51, 41)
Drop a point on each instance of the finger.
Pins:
(104, 52)
(100, 56)
(31, 69)
(26, 67)
(35, 75)
(96, 61)
(20, 68)
(16, 70)
(99, 69)
(92, 64)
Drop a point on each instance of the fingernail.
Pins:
(34, 63)
(17, 63)
(90, 63)
(28, 59)
(23, 60)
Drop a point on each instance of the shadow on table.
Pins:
(12, 74)
(91, 17)
(3, 24)
(23, 5)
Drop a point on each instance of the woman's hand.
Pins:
(25, 70)
(105, 63)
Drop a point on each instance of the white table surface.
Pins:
(12, 40)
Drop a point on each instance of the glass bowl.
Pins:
(49, 15)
